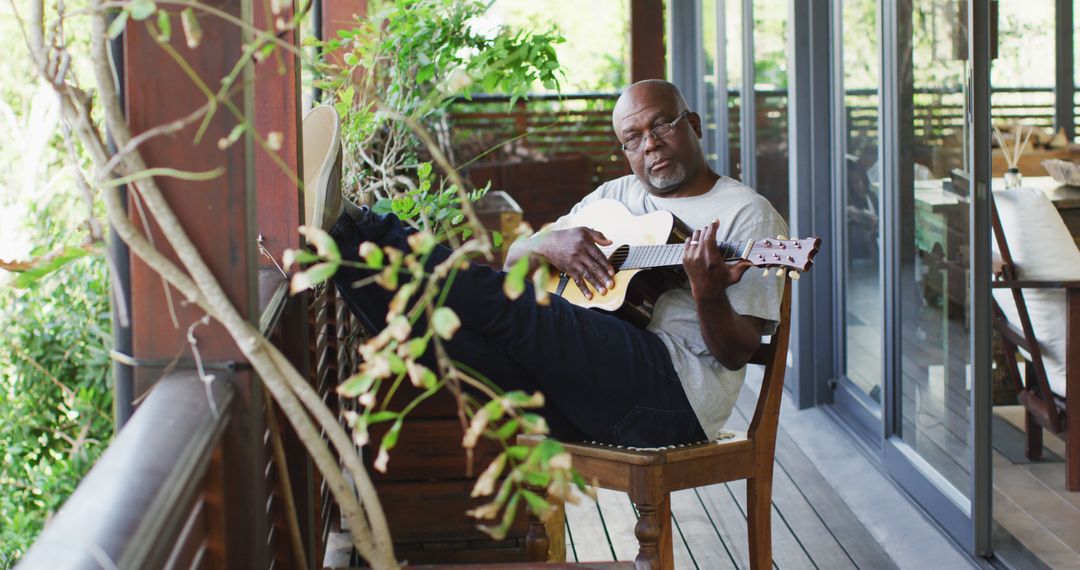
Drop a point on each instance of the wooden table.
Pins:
(941, 217)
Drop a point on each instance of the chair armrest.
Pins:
(1024, 284)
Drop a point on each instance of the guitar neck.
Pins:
(666, 255)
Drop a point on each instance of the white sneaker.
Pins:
(322, 167)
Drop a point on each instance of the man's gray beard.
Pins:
(668, 181)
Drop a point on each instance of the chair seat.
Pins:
(729, 442)
(683, 466)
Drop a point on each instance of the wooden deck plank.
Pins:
(853, 537)
(816, 539)
(590, 542)
(1032, 534)
(1032, 495)
(619, 518)
(787, 551)
(680, 546)
(728, 520)
(696, 526)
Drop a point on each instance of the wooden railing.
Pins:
(154, 498)
(161, 494)
(581, 122)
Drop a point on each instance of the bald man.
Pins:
(605, 379)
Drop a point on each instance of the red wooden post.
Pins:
(219, 216)
(340, 15)
(647, 51)
(279, 202)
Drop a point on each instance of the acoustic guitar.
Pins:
(647, 252)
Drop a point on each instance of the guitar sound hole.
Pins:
(619, 257)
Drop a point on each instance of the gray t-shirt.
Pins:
(743, 214)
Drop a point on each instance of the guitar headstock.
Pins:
(793, 254)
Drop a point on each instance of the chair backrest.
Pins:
(1008, 273)
(1038, 253)
(774, 356)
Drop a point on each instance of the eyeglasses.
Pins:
(633, 144)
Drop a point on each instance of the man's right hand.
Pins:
(574, 252)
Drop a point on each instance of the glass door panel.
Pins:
(860, 183)
(733, 44)
(932, 249)
(771, 101)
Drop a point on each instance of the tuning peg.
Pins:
(794, 275)
(765, 273)
(780, 272)
(780, 237)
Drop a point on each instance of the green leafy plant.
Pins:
(406, 65)
(56, 398)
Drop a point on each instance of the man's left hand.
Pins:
(709, 273)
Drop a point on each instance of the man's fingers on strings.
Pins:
(604, 265)
(598, 276)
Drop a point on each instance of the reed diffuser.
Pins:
(1013, 178)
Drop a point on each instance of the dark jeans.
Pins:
(603, 379)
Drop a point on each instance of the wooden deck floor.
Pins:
(1030, 499)
(812, 527)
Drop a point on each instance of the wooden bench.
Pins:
(649, 476)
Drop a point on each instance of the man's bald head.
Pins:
(654, 88)
(663, 138)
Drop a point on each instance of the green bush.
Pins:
(56, 397)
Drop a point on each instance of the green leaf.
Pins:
(417, 347)
(423, 170)
(356, 385)
(297, 256)
(383, 206)
(351, 59)
(548, 448)
(445, 322)
(141, 9)
(383, 416)
(507, 430)
(425, 73)
(397, 365)
(538, 478)
(514, 284)
(390, 439)
(32, 275)
(325, 245)
(536, 503)
(496, 239)
(116, 27)
(192, 30)
(518, 452)
(164, 26)
(312, 276)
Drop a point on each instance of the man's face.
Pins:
(662, 163)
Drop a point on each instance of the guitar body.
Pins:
(636, 290)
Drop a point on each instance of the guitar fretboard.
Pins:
(650, 256)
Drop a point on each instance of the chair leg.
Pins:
(653, 529)
(537, 543)
(545, 540)
(759, 520)
(1033, 445)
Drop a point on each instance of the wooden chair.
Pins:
(1043, 408)
(650, 476)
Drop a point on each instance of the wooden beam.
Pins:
(219, 216)
(279, 209)
(648, 54)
